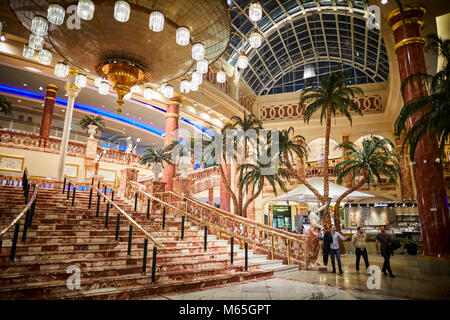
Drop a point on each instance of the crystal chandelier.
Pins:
(202, 66)
(85, 9)
(39, 26)
(103, 88)
(80, 80)
(255, 39)
(193, 86)
(255, 11)
(36, 42)
(197, 78)
(28, 52)
(61, 70)
(221, 77)
(167, 91)
(242, 61)
(156, 21)
(198, 51)
(55, 14)
(149, 93)
(185, 86)
(45, 57)
(122, 11)
(183, 36)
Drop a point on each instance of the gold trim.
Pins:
(407, 41)
(72, 86)
(75, 72)
(52, 86)
(51, 90)
(172, 115)
(414, 6)
(14, 157)
(73, 164)
(407, 21)
(49, 98)
(178, 103)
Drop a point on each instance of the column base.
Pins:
(182, 185)
(434, 265)
(154, 187)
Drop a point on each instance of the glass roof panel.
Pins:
(323, 33)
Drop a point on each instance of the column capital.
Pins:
(51, 87)
(410, 12)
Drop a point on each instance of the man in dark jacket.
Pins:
(383, 244)
(327, 240)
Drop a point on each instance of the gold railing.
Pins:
(121, 211)
(278, 243)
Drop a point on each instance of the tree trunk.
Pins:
(227, 186)
(253, 197)
(327, 152)
(337, 217)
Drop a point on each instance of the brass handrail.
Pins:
(22, 213)
(183, 212)
(222, 213)
(130, 219)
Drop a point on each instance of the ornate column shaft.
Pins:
(49, 104)
(72, 92)
(428, 174)
(347, 181)
(406, 177)
(225, 196)
(172, 116)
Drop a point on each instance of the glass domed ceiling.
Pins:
(324, 35)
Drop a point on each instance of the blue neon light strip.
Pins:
(33, 95)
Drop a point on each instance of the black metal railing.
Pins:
(27, 212)
(110, 204)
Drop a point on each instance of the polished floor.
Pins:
(409, 283)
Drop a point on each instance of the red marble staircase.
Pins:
(63, 236)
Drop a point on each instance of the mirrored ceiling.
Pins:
(306, 39)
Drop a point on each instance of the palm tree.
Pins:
(373, 160)
(432, 111)
(252, 176)
(5, 105)
(157, 157)
(332, 97)
(88, 120)
(247, 122)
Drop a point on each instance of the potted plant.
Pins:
(92, 123)
(5, 105)
(157, 158)
(411, 247)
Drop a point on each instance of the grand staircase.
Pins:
(63, 236)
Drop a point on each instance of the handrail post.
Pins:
(232, 249)
(33, 207)
(14, 242)
(129, 239)
(246, 255)
(68, 191)
(148, 208)
(90, 197)
(112, 195)
(98, 205)
(182, 227)
(272, 246)
(73, 195)
(25, 226)
(164, 217)
(288, 248)
(154, 264)
(92, 181)
(117, 226)
(135, 201)
(64, 185)
(107, 216)
(105, 192)
(144, 262)
(27, 190)
(206, 238)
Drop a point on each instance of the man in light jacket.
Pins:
(359, 242)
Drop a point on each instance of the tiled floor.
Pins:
(408, 284)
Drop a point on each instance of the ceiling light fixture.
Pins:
(255, 11)
(183, 36)
(122, 11)
(156, 21)
(221, 77)
(85, 9)
(55, 14)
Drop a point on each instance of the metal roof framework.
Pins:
(324, 34)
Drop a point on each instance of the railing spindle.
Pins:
(105, 192)
(73, 195)
(182, 227)
(130, 232)
(64, 185)
(154, 264)
(206, 238)
(246, 255)
(164, 217)
(90, 198)
(68, 191)
(117, 226)
(107, 216)
(232, 249)
(135, 201)
(25, 226)
(144, 262)
(98, 205)
(148, 208)
(14, 242)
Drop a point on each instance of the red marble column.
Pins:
(172, 116)
(211, 196)
(225, 196)
(49, 104)
(428, 174)
(406, 185)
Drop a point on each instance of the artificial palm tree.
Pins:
(253, 176)
(433, 111)
(157, 157)
(92, 123)
(374, 159)
(332, 97)
(5, 105)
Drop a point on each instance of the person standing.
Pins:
(359, 242)
(383, 242)
(327, 240)
(334, 249)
